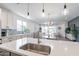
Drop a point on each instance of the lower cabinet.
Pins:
(70, 37)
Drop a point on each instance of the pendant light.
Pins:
(65, 9)
(7, 27)
(43, 14)
(50, 22)
(28, 17)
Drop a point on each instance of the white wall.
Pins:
(9, 18)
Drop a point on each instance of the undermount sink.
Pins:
(37, 48)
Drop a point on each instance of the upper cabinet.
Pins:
(3, 18)
(7, 19)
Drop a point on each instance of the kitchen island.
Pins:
(58, 48)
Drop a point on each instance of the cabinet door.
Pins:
(7, 19)
(3, 18)
(10, 20)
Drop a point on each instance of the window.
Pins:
(24, 27)
(21, 26)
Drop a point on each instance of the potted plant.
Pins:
(68, 29)
(26, 30)
(71, 32)
(74, 31)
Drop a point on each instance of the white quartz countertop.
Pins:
(2, 37)
(58, 48)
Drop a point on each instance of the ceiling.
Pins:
(35, 10)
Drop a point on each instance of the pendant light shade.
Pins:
(28, 14)
(43, 10)
(65, 6)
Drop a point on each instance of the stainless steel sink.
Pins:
(37, 48)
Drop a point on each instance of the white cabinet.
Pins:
(10, 20)
(3, 18)
(7, 19)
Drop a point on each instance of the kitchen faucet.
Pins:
(39, 37)
(39, 34)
